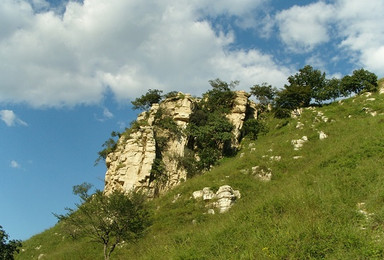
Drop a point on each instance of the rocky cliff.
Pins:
(147, 157)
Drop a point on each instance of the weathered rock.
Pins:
(296, 112)
(298, 144)
(262, 173)
(208, 194)
(197, 194)
(275, 158)
(225, 197)
(242, 105)
(322, 135)
(129, 167)
(299, 125)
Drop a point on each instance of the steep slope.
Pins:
(324, 199)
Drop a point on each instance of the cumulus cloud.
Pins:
(304, 27)
(354, 26)
(125, 46)
(361, 26)
(10, 118)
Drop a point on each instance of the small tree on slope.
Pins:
(107, 220)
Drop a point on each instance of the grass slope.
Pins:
(327, 204)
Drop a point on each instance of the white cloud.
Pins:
(14, 164)
(360, 24)
(107, 114)
(304, 27)
(127, 46)
(355, 26)
(10, 118)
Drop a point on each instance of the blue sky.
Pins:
(69, 70)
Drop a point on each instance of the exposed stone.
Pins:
(299, 125)
(238, 114)
(262, 173)
(297, 112)
(322, 135)
(298, 144)
(197, 194)
(208, 194)
(275, 158)
(297, 157)
(225, 197)
(370, 99)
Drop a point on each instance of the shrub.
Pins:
(252, 128)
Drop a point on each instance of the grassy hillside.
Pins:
(328, 203)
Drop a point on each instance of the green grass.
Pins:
(309, 210)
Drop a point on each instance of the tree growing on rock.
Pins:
(107, 220)
(146, 101)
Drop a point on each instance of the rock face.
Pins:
(140, 153)
(130, 165)
(242, 108)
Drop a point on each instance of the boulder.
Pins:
(222, 200)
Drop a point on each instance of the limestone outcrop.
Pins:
(242, 108)
(147, 157)
(220, 201)
(129, 166)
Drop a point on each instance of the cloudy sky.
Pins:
(68, 70)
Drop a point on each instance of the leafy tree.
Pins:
(8, 247)
(313, 81)
(209, 129)
(264, 93)
(107, 220)
(146, 101)
(293, 96)
(220, 97)
(360, 80)
(211, 134)
(332, 89)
